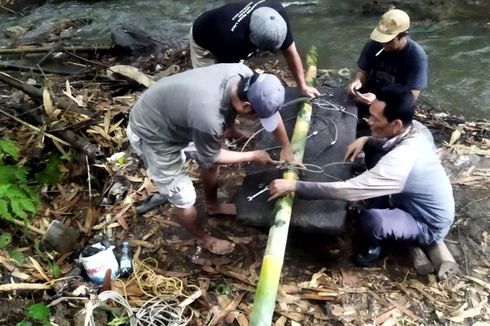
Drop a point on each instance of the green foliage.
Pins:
(223, 288)
(121, 320)
(8, 148)
(17, 197)
(37, 247)
(37, 312)
(66, 157)
(5, 239)
(24, 323)
(51, 174)
(55, 270)
(17, 256)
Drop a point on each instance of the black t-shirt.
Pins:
(408, 67)
(225, 30)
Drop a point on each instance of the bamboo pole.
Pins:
(270, 273)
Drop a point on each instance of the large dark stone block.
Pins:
(335, 131)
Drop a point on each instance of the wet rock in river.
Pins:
(378, 7)
(132, 40)
(20, 6)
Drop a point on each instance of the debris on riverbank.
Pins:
(67, 126)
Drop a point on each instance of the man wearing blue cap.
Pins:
(196, 106)
(236, 31)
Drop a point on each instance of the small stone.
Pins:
(31, 81)
(14, 32)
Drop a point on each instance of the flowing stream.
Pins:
(456, 37)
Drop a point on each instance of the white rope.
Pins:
(327, 105)
(102, 297)
(162, 312)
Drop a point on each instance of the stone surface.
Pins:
(335, 130)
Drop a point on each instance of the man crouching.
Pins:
(401, 162)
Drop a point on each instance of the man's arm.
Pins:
(388, 177)
(355, 148)
(356, 84)
(296, 66)
(364, 64)
(417, 77)
(282, 138)
(259, 157)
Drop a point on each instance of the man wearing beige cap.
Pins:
(196, 106)
(236, 31)
(389, 57)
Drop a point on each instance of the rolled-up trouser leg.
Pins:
(389, 224)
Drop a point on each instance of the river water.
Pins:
(457, 39)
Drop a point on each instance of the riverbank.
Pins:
(319, 285)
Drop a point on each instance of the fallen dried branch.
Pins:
(35, 93)
(49, 70)
(91, 150)
(28, 226)
(23, 286)
(479, 282)
(36, 49)
(34, 128)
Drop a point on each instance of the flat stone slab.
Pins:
(334, 130)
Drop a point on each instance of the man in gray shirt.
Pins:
(406, 167)
(196, 106)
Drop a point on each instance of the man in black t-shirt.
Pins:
(236, 31)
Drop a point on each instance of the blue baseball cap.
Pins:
(266, 95)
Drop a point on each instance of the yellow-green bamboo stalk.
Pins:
(270, 272)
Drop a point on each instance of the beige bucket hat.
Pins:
(392, 23)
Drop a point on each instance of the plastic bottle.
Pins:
(125, 263)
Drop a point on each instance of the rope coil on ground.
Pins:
(102, 298)
(156, 285)
(163, 308)
(162, 312)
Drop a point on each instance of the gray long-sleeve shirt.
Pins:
(193, 106)
(412, 173)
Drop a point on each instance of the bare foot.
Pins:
(222, 209)
(218, 246)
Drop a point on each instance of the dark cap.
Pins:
(267, 29)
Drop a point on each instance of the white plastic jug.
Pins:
(97, 265)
